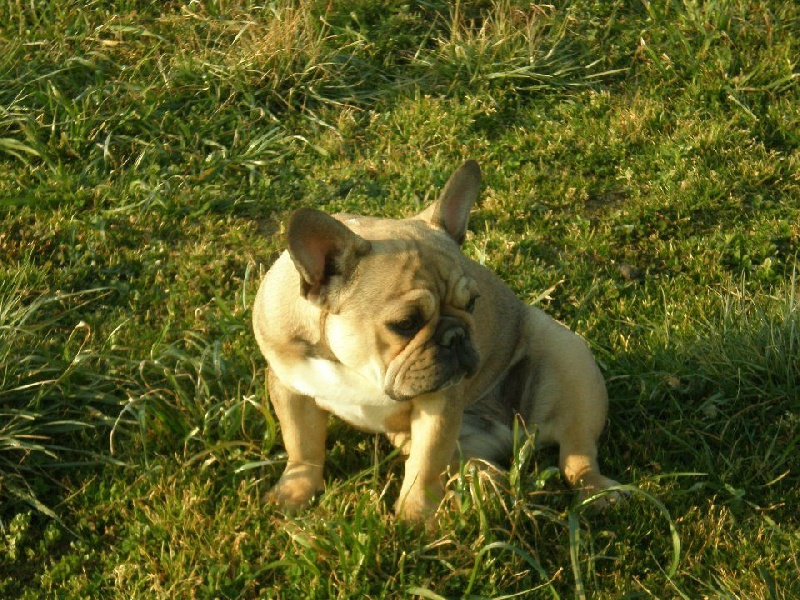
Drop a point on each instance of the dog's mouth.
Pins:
(444, 360)
(404, 394)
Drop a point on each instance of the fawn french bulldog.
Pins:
(387, 325)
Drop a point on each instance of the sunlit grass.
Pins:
(642, 173)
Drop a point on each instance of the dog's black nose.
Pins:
(450, 332)
(452, 337)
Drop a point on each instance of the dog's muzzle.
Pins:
(455, 349)
(442, 361)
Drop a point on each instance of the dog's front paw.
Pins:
(414, 511)
(418, 504)
(296, 488)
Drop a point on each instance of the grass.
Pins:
(642, 176)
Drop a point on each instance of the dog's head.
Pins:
(397, 300)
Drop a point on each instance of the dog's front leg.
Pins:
(303, 425)
(435, 425)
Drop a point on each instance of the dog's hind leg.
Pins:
(568, 404)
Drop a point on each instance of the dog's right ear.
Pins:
(323, 250)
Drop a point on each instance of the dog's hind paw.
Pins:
(602, 494)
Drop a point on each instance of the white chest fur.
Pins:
(341, 391)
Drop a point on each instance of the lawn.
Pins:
(641, 183)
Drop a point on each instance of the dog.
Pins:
(387, 325)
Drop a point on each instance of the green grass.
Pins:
(642, 184)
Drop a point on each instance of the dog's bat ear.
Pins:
(450, 212)
(323, 250)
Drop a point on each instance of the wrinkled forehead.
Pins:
(398, 266)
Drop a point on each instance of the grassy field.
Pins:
(642, 184)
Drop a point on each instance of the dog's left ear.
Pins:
(450, 212)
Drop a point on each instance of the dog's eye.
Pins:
(407, 326)
(470, 308)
